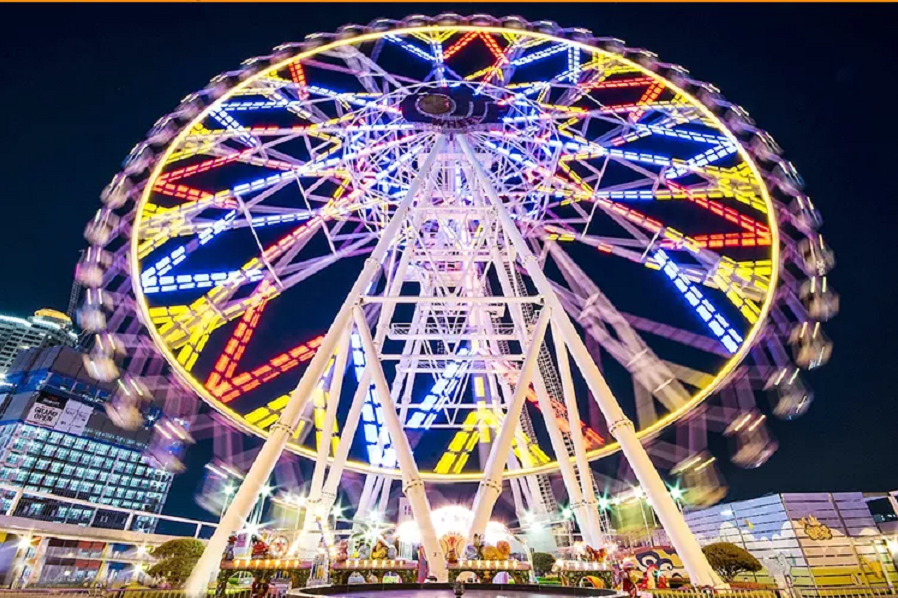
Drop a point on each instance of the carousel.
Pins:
(377, 553)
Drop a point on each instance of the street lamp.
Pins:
(676, 493)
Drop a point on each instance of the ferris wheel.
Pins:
(382, 249)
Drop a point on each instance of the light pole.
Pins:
(229, 493)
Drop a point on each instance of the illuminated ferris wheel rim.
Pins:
(695, 401)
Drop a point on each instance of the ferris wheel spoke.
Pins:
(207, 314)
(368, 70)
(704, 307)
(201, 199)
(721, 275)
(632, 220)
(748, 281)
(595, 312)
(265, 291)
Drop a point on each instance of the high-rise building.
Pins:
(55, 437)
(46, 328)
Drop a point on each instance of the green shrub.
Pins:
(176, 559)
(542, 563)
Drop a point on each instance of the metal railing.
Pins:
(122, 593)
(846, 592)
(96, 516)
(690, 592)
(229, 593)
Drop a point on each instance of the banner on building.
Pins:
(60, 414)
(74, 418)
(46, 411)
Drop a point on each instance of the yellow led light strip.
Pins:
(362, 467)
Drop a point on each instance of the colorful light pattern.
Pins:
(230, 389)
(325, 116)
(372, 418)
(706, 311)
(424, 414)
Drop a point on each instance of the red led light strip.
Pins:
(181, 191)
(493, 47)
(717, 240)
(728, 213)
(299, 77)
(621, 83)
(229, 390)
(461, 43)
(188, 171)
(235, 347)
(651, 94)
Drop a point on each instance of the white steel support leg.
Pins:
(394, 285)
(283, 430)
(330, 416)
(371, 481)
(349, 429)
(594, 532)
(529, 485)
(319, 505)
(542, 396)
(403, 382)
(700, 572)
(491, 486)
(413, 485)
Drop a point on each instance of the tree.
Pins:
(542, 563)
(730, 560)
(176, 559)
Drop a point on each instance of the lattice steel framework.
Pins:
(487, 177)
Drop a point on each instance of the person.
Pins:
(259, 589)
(616, 576)
(423, 566)
(630, 580)
(229, 550)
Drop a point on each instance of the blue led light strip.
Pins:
(682, 134)
(573, 65)
(703, 159)
(443, 388)
(540, 55)
(185, 282)
(229, 123)
(372, 417)
(410, 47)
(151, 278)
(706, 311)
(165, 264)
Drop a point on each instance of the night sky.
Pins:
(83, 83)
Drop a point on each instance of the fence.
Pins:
(97, 593)
(53, 508)
(712, 593)
(847, 592)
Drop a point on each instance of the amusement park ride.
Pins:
(464, 199)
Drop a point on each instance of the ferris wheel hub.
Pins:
(460, 107)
